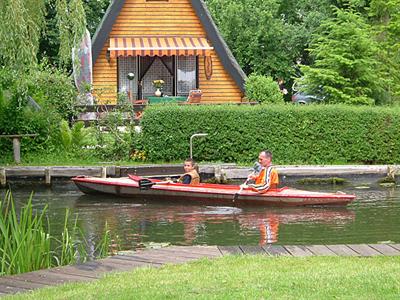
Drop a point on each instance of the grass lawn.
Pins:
(245, 277)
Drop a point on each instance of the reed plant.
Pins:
(26, 243)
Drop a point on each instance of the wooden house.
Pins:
(171, 40)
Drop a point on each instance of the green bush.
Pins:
(313, 134)
(51, 89)
(263, 89)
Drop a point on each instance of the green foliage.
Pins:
(65, 135)
(51, 89)
(26, 243)
(345, 61)
(71, 22)
(115, 135)
(73, 138)
(263, 89)
(268, 37)
(385, 18)
(243, 25)
(21, 24)
(313, 134)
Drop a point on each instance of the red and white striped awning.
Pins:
(159, 45)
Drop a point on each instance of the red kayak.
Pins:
(136, 186)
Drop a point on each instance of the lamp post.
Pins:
(191, 141)
(130, 77)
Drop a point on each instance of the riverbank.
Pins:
(221, 172)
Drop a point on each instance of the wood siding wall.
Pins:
(175, 17)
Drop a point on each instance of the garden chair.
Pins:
(194, 96)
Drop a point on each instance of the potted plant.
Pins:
(158, 84)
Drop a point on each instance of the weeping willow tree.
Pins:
(71, 21)
(21, 25)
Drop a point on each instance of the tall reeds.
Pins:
(27, 245)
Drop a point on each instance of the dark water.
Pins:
(374, 217)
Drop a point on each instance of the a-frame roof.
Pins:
(227, 59)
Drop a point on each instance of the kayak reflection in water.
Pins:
(267, 178)
(191, 175)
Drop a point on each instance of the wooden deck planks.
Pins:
(385, 249)
(342, 250)
(175, 254)
(203, 251)
(395, 246)
(276, 250)
(9, 281)
(299, 251)
(253, 250)
(364, 250)
(321, 250)
(7, 289)
(230, 250)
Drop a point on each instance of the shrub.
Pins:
(314, 134)
(73, 138)
(263, 89)
(51, 89)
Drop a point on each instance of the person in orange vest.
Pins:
(191, 176)
(267, 178)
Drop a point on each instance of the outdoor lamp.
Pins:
(130, 77)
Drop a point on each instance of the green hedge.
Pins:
(313, 134)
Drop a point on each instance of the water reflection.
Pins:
(195, 224)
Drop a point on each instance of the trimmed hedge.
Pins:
(312, 134)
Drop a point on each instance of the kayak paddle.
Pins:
(236, 196)
(145, 184)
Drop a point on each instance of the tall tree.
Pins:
(21, 25)
(385, 18)
(269, 37)
(345, 61)
(254, 33)
(71, 21)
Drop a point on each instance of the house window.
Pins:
(157, 68)
(186, 74)
(127, 65)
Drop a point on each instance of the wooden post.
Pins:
(17, 149)
(3, 179)
(47, 175)
(103, 172)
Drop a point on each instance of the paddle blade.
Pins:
(235, 197)
(145, 184)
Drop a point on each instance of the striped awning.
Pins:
(159, 45)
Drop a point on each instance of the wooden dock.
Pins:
(130, 260)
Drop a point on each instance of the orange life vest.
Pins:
(195, 178)
(266, 180)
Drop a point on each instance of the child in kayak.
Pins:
(191, 176)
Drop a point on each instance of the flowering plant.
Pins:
(158, 84)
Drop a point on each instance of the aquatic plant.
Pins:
(26, 243)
